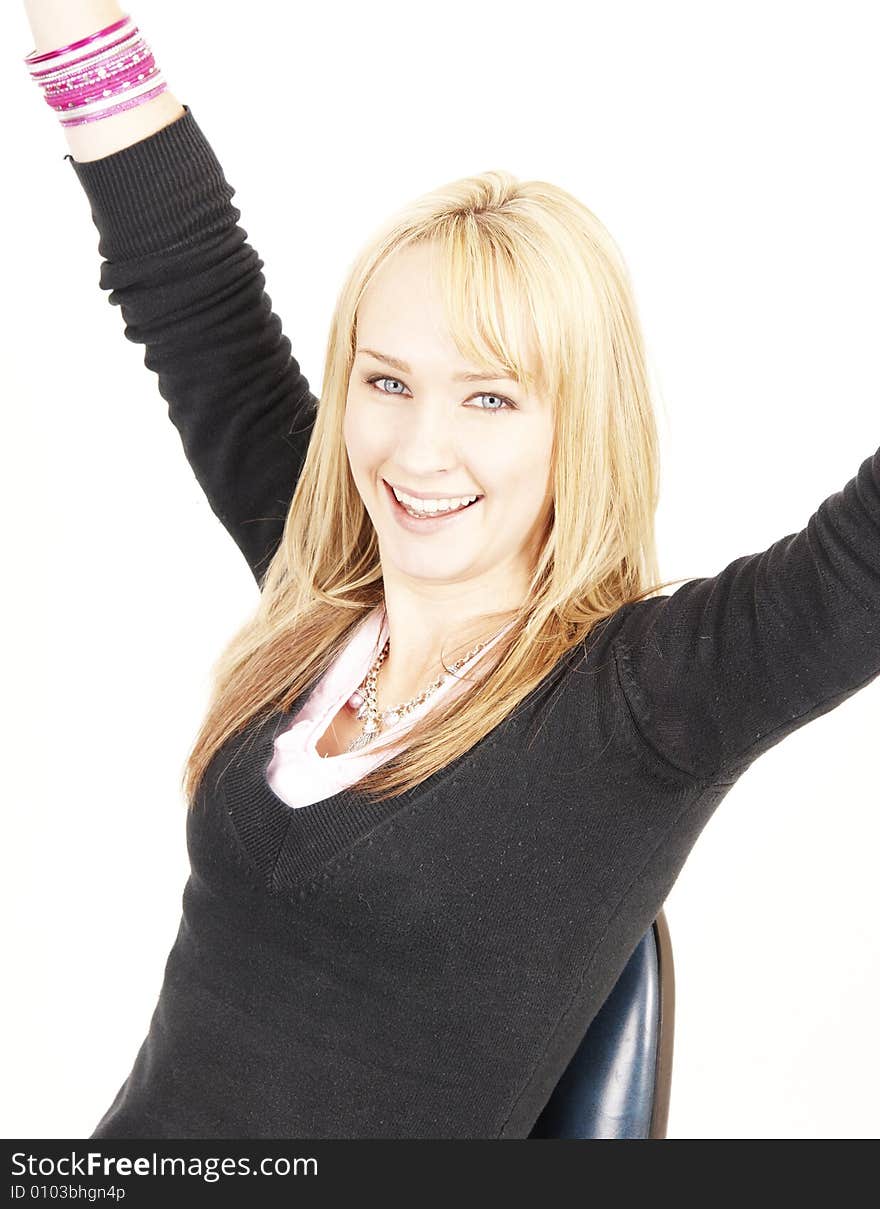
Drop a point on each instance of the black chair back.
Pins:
(617, 1084)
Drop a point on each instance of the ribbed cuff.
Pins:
(164, 191)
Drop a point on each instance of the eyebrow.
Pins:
(466, 377)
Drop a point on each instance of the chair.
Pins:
(617, 1084)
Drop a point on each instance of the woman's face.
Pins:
(421, 427)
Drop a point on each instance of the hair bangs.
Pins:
(486, 301)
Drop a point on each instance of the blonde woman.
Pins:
(455, 761)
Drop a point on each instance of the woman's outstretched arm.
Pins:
(728, 666)
(191, 290)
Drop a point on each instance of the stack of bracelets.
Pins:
(108, 72)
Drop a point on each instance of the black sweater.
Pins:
(426, 967)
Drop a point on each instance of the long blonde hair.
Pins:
(523, 265)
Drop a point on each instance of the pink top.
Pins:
(296, 773)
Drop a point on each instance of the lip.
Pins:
(430, 524)
(426, 495)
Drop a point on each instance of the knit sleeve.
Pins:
(726, 667)
(191, 290)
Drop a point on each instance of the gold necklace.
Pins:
(363, 699)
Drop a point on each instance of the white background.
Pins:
(731, 152)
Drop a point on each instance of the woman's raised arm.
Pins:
(729, 665)
(191, 290)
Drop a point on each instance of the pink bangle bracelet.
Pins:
(131, 103)
(109, 72)
(33, 57)
(60, 69)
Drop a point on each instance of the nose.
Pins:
(426, 444)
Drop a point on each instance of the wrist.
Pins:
(56, 23)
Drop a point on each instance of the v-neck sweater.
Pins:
(427, 966)
(298, 774)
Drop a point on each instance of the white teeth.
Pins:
(428, 507)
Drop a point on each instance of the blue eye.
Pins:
(508, 404)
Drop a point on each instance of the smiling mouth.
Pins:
(426, 517)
